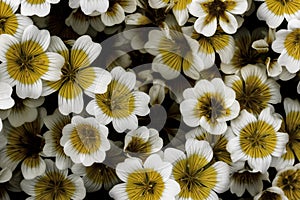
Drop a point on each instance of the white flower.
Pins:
(287, 43)
(211, 13)
(257, 139)
(148, 180)
(85, 140)
(209, 104)
(120, 103)
(271, 193)
(25, 62)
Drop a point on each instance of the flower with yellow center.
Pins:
(291, 126)
(25, 62)
(120, 103)
(40, 8)
(85, 140)
(209, 104)
(275, 11)
(218, 143)
(96, 176)
(220, 43)
(90, 7)
(179, 8)
(54, 184)
(24, 145)
(148, 181)
(271, 193)
(287, 43)
(10, 22)
(55, 123)
(142, 141)
(197, 176)
(77, 74)
(174, 52)
(254, 90)
(257, 139)
(211, 13)
(288, 179)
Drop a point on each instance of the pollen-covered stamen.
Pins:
(216, 8)
(69, 72)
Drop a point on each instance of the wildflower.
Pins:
(218, 143)
(85, 140)
(243, 178)
(274, 11)
(209, 104)
(12, 23)
(120, 103)
(179, 8)
(77, 75)
(211, 13)
(143, 140)
(40, 8)
(288, 179)
(174, 52)
(291, 126)
(148, 180)
(96, 176)
(220, 43)
(54, 184)
(257, 139)
(287, 43)
(94, 7)
(271, 193)
(24, 145)
(25, 62)
(55, 123)
(254, 90)
(82, 24)
(198, 179)
(115, 13)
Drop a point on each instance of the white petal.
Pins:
(33, 91)
(30, 170)
(42, 37)
(56, 62)
(242, 121)
(157, 4)
(74, 105)
(263, 13)
(41, 10)
(127, 167)
(121, 124)
(291, 64)
(206, 29)
(115, 16)
(260, 164)
(228, 23)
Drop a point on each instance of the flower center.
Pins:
(137, 145)
(292, 44)
(145, 184)
(69, 73)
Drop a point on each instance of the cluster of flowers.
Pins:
(150, 99)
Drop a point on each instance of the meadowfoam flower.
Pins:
(77, 75)
(275, 11)
(85, 140)
(24, 110)
(82, 23)
(54, 184)
(291, 126)
(120, 103)
(174, 52)
(209, 104)
(288, 180)
(24, 145)
(90, 7)
(142, 141)
(271, 193)
(179, 8)
(242, 178)
(220, 43)
(12, 23)
(254, 90)
(148, 180)
(218, 143)
(115, 13)
(257, 139)
(211, 13)
(287, 43)
(25, 62)
(197, 177)
(55, 123)
(96, 176)
(40, 8)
